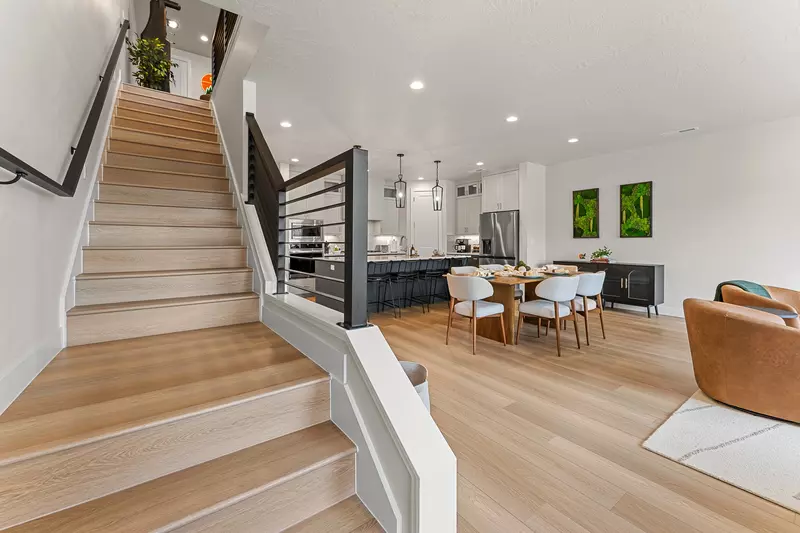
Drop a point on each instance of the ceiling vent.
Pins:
(680, 132)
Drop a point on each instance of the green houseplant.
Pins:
(207, 94)
(601, 254)
(152, 63)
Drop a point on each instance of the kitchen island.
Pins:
(411, 280)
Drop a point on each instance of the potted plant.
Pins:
(153, 66)
(601, 255)
(207, 95)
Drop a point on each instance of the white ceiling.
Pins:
(195, 18)
(615, 73)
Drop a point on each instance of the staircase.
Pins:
(173, 408)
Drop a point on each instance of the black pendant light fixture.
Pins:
(400, 187)
(438, 191)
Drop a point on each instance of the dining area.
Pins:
(500, 302)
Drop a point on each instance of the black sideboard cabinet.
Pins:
(628, 283)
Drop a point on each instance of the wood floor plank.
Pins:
(532, 431)
(345, 517)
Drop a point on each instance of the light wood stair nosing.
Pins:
(168, 159)
(163, 225)
(161, 273)
(181, 414)
(156, 102)
(154, 145)
(120, 105)
(167, 247)
(161, 95)
(166, 206)
(102, 183)
(98, 309)
(215, 144)
(166, 126)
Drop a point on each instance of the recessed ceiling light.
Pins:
(204, 38)
(573, 140)
(286, 124)
(512, 118)
(295, 160)
(172, 23)
(479, 163)
(420, 178)
(417, 85)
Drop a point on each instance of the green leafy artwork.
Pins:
(585, 214)
(636, 209)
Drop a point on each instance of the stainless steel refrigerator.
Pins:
(499, 238)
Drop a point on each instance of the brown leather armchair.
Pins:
(745, 358)
(785, 299)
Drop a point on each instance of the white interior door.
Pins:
(426, 223)
(181, 72)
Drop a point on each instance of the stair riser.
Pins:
(102, 327)
(166, 111)
(284, 505)
(163, 215)
(157, 118)
(163, 151)
(125, 176)
(125, 96)
(97, 261)
(102, 235)
(148, 196)
(164, 141)
(168, 165)
(142, 125)
(202, 105)
(97, 469)
(118, 290)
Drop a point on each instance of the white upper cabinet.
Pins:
(468, 189)
(468, 215)
(500, 192)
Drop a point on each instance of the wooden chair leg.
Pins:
(538, 327)
(474, 325)
(449, 320)
(503, 327)
(586, 320)
(558, 330)
(546, 327)
(575, 323)
(519, 327)
(600, 306)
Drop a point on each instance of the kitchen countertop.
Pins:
(373, 257)
(612, 262)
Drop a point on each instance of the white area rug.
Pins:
(755, 453)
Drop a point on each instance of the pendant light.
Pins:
(400, 187)
(438, 191)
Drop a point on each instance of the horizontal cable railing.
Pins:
(267, 192)
(80, 152)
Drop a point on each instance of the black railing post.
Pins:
(280, 272)
(355, 231)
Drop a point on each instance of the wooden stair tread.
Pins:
(151, 304)
(168, 247)
(183, 496)
(347, 516)
(157, 103)
(159, 145)
(121, 105)
(162, 273)
(107, 184)
(153, 93)
(166, 206)
(167, 159)
(183, 128)
(162, 225)
(214, 144)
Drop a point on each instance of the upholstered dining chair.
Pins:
(467, 294)
(463, 270)
(556, 302)
(589, 299)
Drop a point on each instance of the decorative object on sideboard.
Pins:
(601, 255)
(437, 191)
(586, 214)
(636, 209)
(207, 95)
(400, 187)
(582, 256)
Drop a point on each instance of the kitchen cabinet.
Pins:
(468, 189)
(390, 225)
(468, 215)
(500, 192)
(628, 283)
(375, 203)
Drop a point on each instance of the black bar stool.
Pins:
(434, 278)
(420, 279)
(402, 275)
(378, 276)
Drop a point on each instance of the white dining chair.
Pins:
(463, 270)
(467, 294)
(557, 303)
(589, 299)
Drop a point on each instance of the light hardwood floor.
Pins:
(548, 444)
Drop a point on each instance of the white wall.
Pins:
(199, 66)
(55, 55)
(532, 213)
(724, 207)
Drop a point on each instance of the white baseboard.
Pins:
(665, 310)
(14, 382)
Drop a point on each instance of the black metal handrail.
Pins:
(80, 152)
(267, 192)
(219, 44)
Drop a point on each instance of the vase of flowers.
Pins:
(602, 255)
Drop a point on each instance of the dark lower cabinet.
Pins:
(628, 283)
